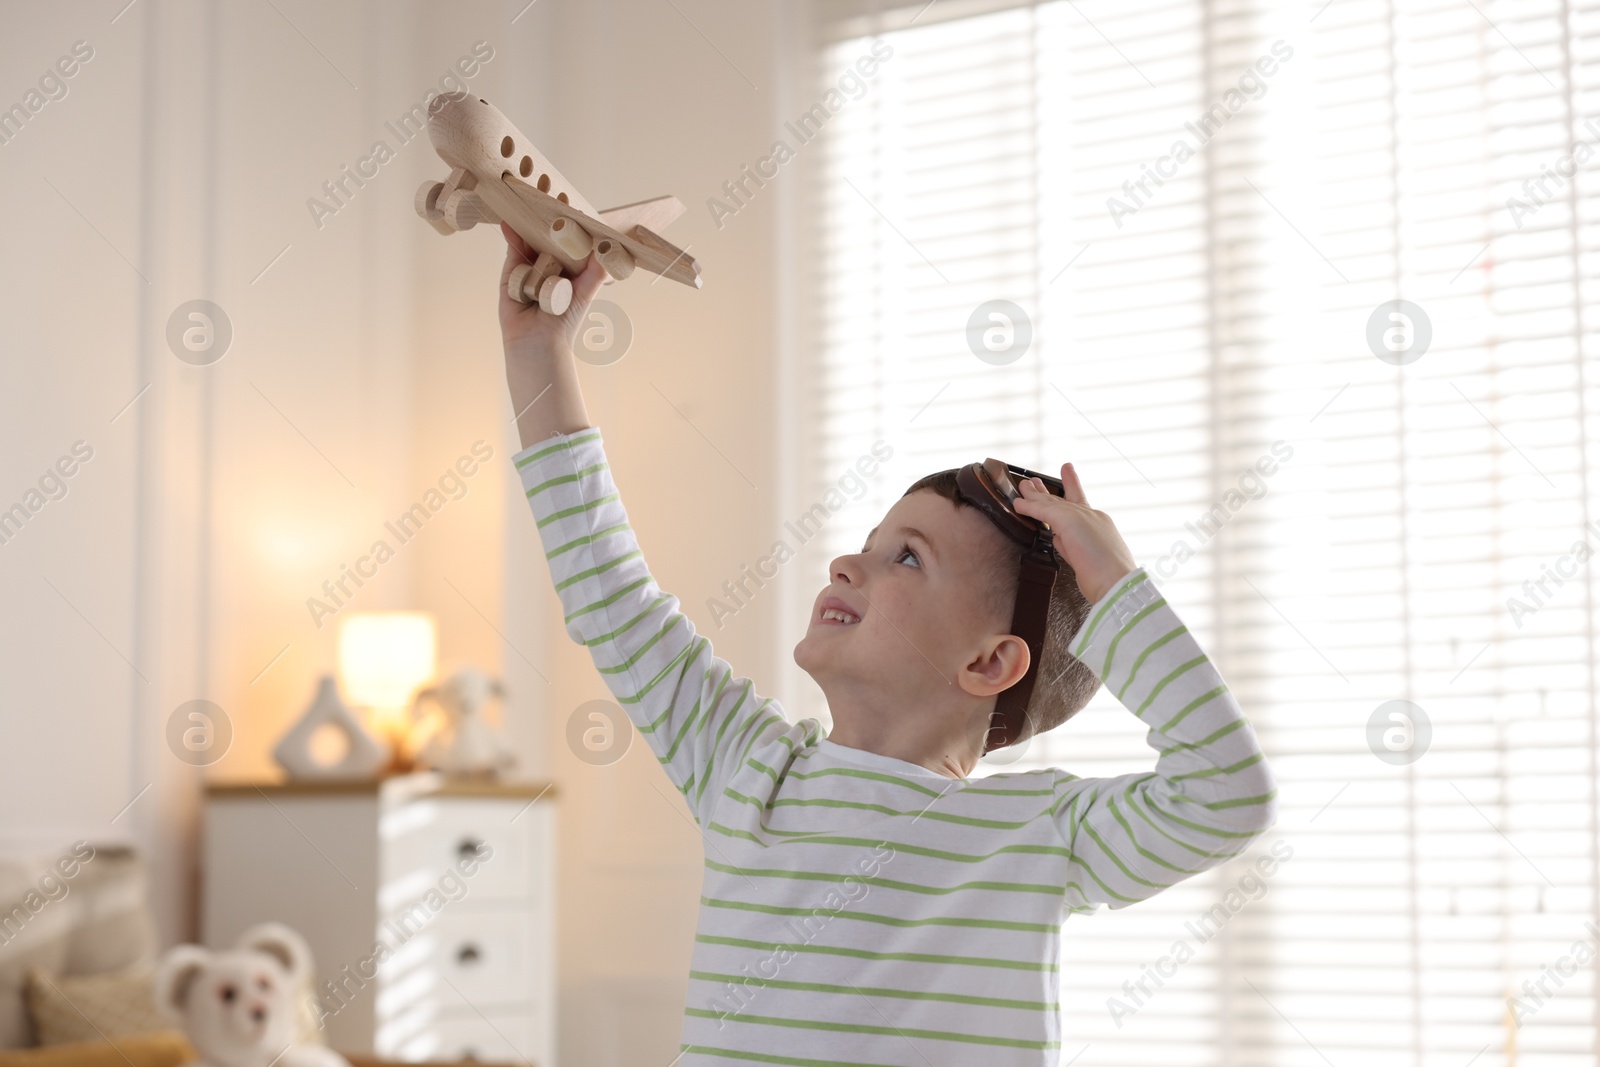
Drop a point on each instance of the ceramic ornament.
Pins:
(363, 757)
(467, 747)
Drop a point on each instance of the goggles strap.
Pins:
(1035, 581)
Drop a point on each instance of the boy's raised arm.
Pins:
(686, 703)
(1211, 794)
(540, 369)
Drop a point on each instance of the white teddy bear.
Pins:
(242, 1008)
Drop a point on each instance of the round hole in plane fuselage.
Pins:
(526, 167)
(507, 146)
(561, 197)
(544, 183)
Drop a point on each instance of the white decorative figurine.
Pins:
(244, 1007)
(363, 757)
(466, 747)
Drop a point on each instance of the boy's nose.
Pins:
(843, 569)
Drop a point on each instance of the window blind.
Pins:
(1201, 319)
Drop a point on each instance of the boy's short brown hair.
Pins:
(1064, 683)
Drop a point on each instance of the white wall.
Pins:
(364, 361)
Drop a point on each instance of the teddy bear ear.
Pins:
(282, 944)
(175, 976)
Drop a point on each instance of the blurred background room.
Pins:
(1306, 291)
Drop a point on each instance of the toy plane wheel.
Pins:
(530, 284)
(463, 210)
(428, 206)
(555, 295)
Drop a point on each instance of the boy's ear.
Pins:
(1001, 662)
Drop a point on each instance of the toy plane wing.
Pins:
(656, 214)
(539, 211)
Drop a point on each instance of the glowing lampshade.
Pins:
(383, 657)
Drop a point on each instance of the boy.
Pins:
(864, 901)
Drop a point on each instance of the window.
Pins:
(1191, 313)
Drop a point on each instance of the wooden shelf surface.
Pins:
(415, 785)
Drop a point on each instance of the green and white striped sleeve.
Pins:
(686, 703)
(1211, 793)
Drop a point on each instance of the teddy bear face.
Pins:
(240, 1007)
(240, 1003)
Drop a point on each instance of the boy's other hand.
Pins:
(1087, 539)
(524, 326)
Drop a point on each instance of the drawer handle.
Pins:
(468, 954)
(469, 846)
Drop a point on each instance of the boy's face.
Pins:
(929, 625)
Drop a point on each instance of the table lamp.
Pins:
(383, 657)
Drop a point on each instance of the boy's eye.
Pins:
(905, 550)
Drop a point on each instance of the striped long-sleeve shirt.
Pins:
(859, 909)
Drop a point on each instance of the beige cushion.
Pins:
(93, 922)
(68, 1008)
(164, 1048)
(30, 938)
(112, 929)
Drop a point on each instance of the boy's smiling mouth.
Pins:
(835, 612)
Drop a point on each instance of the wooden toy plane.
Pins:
(497, 174)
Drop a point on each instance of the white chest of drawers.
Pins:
(427, 903)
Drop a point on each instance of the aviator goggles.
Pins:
(991, 487)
